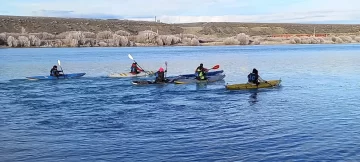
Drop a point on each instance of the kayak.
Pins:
(209, 79)
(128, 75)
(66, 76)
(244, 86)
(186, 76)
(145, 82)
(208, 74)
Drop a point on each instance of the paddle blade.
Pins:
(130, 57)
(59, 62)
(216, 67)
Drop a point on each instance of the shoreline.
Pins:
(208, 45)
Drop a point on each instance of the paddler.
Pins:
(160, 76)
(255, 78)
(135, 69)
(200, 72)
(55, 72)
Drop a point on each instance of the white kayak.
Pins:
(128, 75)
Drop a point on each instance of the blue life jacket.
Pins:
(252, 77)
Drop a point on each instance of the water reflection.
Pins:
(253, 98)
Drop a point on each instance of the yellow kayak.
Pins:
(270, 83)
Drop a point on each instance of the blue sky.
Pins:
(183, 11)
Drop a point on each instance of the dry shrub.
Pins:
(34, 41)
(357, 39)
(320, 40)
(47, 43)
(159, 41)
(103, 44)
(191, 36)
(194, 42)
(305, 40)
(58, 43)
(146, 36)
(295, 40)
(3, 39)
(104, 35)
(275, 39)
(122, 33)
(231, 41)
(186, 41)
(124, 41)
(24, 41)
(58, 36)
(168, 40)
(346, 39)
(89, 34)
(45, 36)
(336, 39)
(90, 42)
(12, 42)
(74, 39)
(256, 42)
(23, 31)
(132, 44)
(243, 39)
(115, 40)
(119, 41)
(15, 35)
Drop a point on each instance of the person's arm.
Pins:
(261, 80)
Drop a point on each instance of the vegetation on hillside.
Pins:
(18, 31)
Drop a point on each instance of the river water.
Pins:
(313, 116)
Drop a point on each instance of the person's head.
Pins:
(161, 69)
(255, 71)
(201, 65)
(54, 67)
(133, 64)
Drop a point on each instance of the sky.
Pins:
(187, 11)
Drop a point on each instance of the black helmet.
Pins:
(54, 66)
(201, 65)
(255, 71)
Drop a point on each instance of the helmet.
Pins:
(161, 69)
(54, 66)
(255, 71)
(201, 65)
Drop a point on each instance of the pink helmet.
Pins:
(161, 69)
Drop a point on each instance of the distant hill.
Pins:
(14, 24)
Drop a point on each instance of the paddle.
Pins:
(59, 63)
(129, 55)
(165, 68)
(214, 67)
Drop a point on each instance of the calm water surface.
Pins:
(313, 116)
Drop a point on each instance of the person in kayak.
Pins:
(160, 76)
(200, 72)
(135, 69)
(255, 78)
(55, 72)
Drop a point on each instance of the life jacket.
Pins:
(252, 77)
(133, 68)
(54, 72)
(160, 77)
(200, 73)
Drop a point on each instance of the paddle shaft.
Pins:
(165, 68)
(62, 71)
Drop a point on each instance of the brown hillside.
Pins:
(14, 24)
(229, 29)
